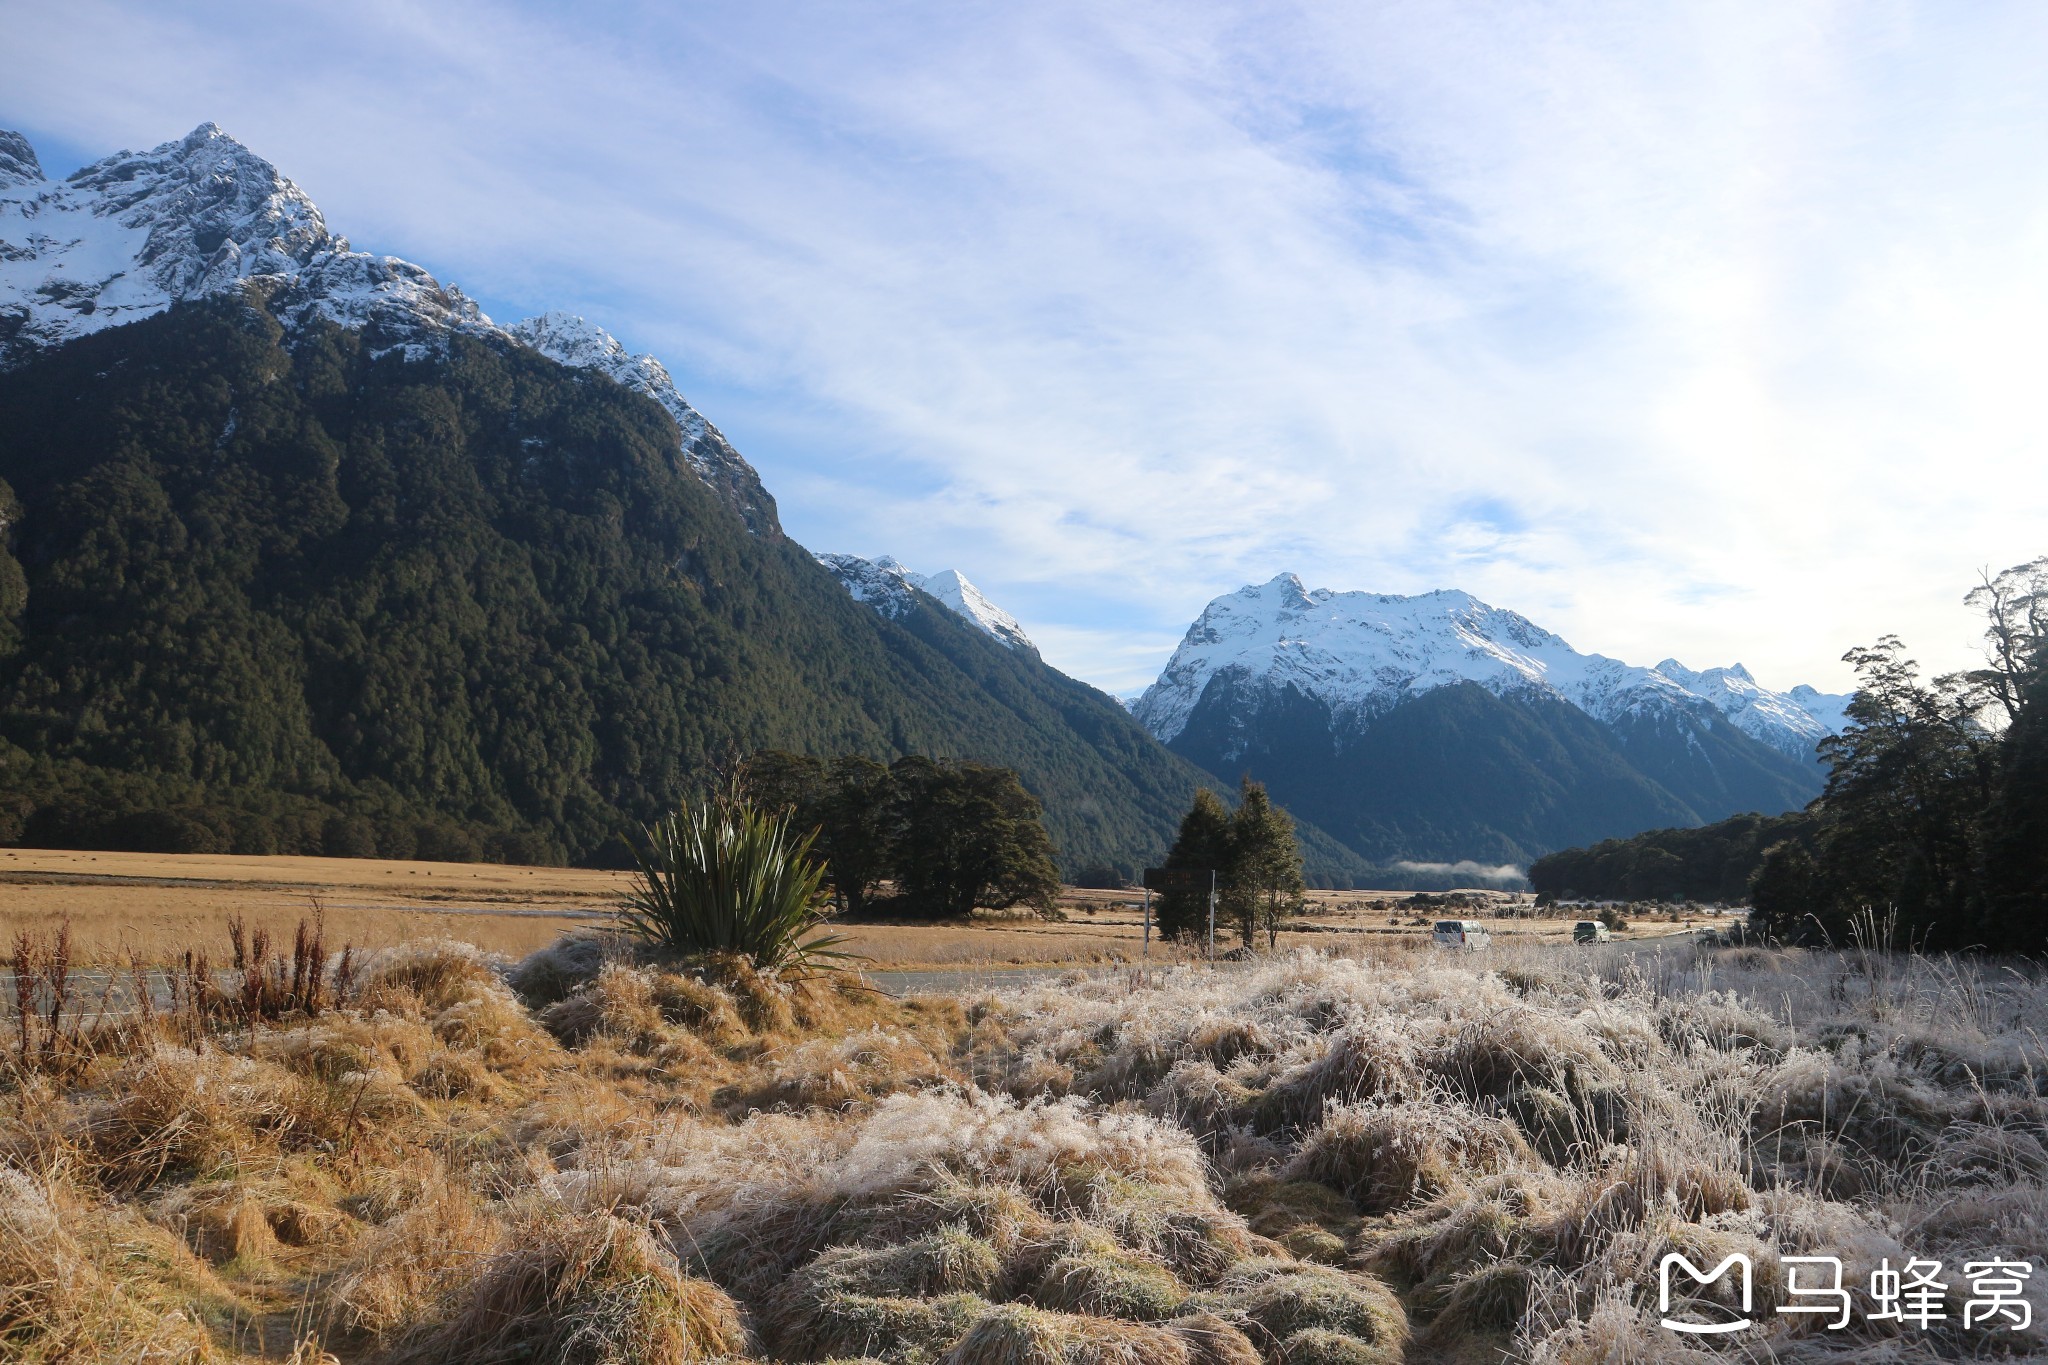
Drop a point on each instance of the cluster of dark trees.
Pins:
(1703, 863)
(1255, 856)
(921, 837)
(1932, 831)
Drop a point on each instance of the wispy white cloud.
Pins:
(1707, 330)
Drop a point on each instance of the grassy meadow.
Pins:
(1349, 1152)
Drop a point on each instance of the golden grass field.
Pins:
(156, 905)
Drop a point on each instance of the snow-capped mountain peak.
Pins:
(136, 232)
(951, 587)
(892, 590)
(129, 235)
(1362, 653)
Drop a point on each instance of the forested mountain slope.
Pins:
(271, 590)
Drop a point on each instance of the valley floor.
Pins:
(1306, 1160)
(155, 903)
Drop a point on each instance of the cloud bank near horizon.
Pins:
(1705, 330)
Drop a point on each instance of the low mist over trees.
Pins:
(1933, 828)
(950, 836)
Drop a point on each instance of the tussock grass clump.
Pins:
(179, 1111)
(1718, 1020)
(583, 1288)
(62, 1297)
(871, 1300)
(859, 1326)
(1491, 1297)
(1313, 1221)
(42, 1271)
(1358, 1064)
(1106, 1284)
(949, 1261)
(436, 972)
(1491, 1220)
(1015, 1334)
(553, 972)
(838, 1073)
(1386, 1156)
(1489, 1056)
(649, 1013)
(999, 1213)
(1210, 1340)
(396, 1274)
(1283, 1300)
(235, 1220)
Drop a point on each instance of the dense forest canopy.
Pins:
(262, 593)
(1712, 863)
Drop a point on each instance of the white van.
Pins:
(1461, 933)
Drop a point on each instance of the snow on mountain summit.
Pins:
(129, 235)
(951, 587)
(1791, 722)
(136, 232)
(1364, 652)
(891, 589)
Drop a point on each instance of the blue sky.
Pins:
(1706, 330)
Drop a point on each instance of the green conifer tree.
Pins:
(1204, 844)
(1263, 883)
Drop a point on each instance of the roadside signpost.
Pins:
(1181, 879)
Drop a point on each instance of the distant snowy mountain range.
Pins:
(130, 235)
(1361, 653)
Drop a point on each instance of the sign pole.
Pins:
(1212, 914)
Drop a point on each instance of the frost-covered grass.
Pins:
(1299, 1161)
(1517, 1140)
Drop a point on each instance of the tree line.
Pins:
(1934, 824)
(927, 838)
(1932, 831)
(1712, 863)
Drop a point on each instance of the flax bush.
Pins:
(719, 878)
